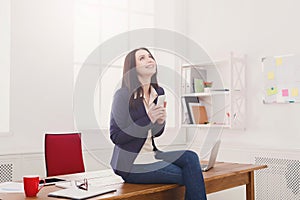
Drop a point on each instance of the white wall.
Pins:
(256, 28)
(4, 65)
(41, 73)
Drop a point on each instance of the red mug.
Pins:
(31, 185)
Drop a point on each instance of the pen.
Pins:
(290, 101)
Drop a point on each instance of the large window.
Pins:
(4, 65)
(95, 22)
(99, 20)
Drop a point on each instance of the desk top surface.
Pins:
(127, 190)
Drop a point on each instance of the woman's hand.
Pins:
(162, 117)
(157, 114)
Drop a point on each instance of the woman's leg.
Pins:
(158, 172)
(189, 162)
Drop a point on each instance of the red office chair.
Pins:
(63, 154)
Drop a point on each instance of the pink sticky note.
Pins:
(285, 92)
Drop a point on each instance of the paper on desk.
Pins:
(11, 187)
(101, 179)
(96, 182)
(78, 194)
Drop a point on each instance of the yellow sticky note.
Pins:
(294, 92)
(272, 91)
(270, 75)
(278, 61)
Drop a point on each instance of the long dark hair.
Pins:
(130, 79)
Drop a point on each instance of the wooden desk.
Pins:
(223, 176)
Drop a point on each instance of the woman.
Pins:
(136, 120)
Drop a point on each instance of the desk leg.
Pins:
(250, 187)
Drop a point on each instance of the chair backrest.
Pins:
(63, 154)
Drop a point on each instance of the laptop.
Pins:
(212, 157)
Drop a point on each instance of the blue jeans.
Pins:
(181, 167)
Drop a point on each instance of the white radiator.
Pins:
(6, 172)
(280, 181)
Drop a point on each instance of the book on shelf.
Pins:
(199, 115)
(189, 74)
(185, 119)
(186, 102)
(198, 85)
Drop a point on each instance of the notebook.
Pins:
(212, 157)
(78, 194)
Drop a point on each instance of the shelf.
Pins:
(206, 64)
(205, 125)
(226, 99)
(202, 94)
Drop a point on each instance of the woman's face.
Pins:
(145, 64)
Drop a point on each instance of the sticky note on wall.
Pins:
(278, 61)
(285, 92)
(272, 91)
(270, 75)
(294, 92)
